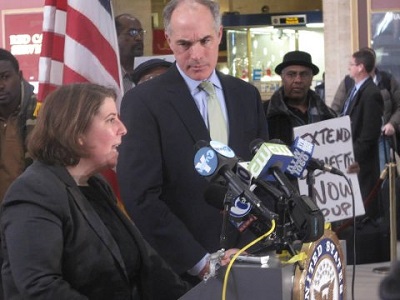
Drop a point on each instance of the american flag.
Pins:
(79, 45)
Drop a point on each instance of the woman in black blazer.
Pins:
(63, 235)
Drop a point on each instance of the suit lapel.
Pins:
(98, 226)
(184, 105)
(233, 109)
(90, 215)
(357, 97)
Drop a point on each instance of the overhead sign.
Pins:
(289, 20)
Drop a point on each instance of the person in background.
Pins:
(390, 91)
(389, 287)
(166, 117)
(63, 236)
(320, 88)
(130, 43)
(149, 69)
(17, 118)
(294, 103)
(364, 106)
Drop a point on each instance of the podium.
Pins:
(320, 275)
(248, 281)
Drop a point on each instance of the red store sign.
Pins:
(23, 38)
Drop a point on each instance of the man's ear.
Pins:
(167, 39)
(220, 34)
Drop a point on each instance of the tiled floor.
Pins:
(366, 282)
(367, 279)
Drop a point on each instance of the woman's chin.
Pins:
(108, 165)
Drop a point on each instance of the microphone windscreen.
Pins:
(269, 155)
(200, 144)
(302, 153)
(255, 145)
(276, 141)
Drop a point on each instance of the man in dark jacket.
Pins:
(165, 118)
(295, 104)
(17, 107)
(365, 109)
(390, 91)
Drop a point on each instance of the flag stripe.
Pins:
(93, 69)
(88, 35)
(79, 45)
(50, 71)
(56, 48)
(86, 9)
(70, 73)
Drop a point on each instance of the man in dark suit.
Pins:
(390, 91)
(365, 109)
(130, 36)
(165, 117)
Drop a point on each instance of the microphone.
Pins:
(305, 214)
(266, 156)
(215, 196)
(271, 162)
(217, 161)
(240, 210)
(302, 159)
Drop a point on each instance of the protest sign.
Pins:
(333, 193)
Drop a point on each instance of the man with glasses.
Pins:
(365, 109)
(130, 42)
(390, 91)
(294, 103)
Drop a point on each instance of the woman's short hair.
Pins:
(65, 115)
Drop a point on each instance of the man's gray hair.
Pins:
(173, 4)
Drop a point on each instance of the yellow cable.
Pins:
(37, 107)
(240, 252)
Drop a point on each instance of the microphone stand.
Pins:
(310, 179)
(281, 242)
(223, 238)
(393, 219)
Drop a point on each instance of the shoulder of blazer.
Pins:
(50, 173)
(368, 84)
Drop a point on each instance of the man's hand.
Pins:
(354, 168)
(227, 257)
(388, 129)
(223, 259)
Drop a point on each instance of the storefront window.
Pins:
(385, 40)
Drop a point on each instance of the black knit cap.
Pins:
(299, 58)
(148, 65)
